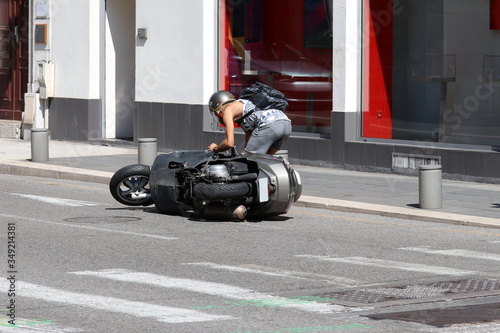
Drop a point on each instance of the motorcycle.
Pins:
(211, 185)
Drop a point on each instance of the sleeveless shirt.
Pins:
(259, 117)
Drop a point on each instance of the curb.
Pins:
(28, 168)
(396, 212)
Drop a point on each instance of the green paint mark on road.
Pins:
(23, 322)
(314, 329)
(271, 303)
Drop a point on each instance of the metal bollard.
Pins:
(147, 150)
(39, 145)
(282, 153)
(430, 186)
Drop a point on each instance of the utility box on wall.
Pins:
(33, 114)
(46, 79)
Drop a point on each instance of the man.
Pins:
(265, 130)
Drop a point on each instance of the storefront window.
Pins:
(286, 44)
(432, 71)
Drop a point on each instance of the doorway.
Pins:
(120, 68)
(14, 23)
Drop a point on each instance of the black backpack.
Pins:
(264, 97)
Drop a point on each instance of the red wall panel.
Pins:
(495, 14)
(378, 59)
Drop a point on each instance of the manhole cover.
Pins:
(435, 289)
(102, 219)
(480, 313)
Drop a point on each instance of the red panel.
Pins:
(495, 14)
(377, 113)
(225, 13)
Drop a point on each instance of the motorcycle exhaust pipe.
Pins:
(222, 211)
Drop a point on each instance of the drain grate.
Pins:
(413, 161)
(425, 290)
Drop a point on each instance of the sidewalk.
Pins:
(464, 203)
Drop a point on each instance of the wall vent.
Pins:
(412, 161)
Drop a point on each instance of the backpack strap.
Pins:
(240, 121)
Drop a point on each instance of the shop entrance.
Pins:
(120, 68)
(13, 58)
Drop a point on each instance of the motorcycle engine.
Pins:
(218, 173)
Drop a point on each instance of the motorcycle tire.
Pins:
(221, 191)
(129, 181)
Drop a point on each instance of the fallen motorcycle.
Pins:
(211, 185)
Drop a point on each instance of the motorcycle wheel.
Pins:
(221, 191)
(130, 181)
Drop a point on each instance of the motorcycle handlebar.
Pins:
(229, 153)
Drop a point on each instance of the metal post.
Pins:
(39, 145)
(147, 150)
(282, 153)
(430, 186)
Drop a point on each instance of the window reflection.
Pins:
(286, 44)
(432, 71)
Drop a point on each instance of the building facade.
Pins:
(372, 84)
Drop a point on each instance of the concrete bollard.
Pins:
(147, 150)
(430, 186)
(39, 145)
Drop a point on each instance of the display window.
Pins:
(286, 44)
(431, 71)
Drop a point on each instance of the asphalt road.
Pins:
(74, 260)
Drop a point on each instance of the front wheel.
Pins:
(130, 185)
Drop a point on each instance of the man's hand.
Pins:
(212, 147)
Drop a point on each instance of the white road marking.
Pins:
(111, 304)
(389, 264)
(21, 218)
(58, 201)
(242, 269)
(211, 288)
(252, 269)
(455, 253)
